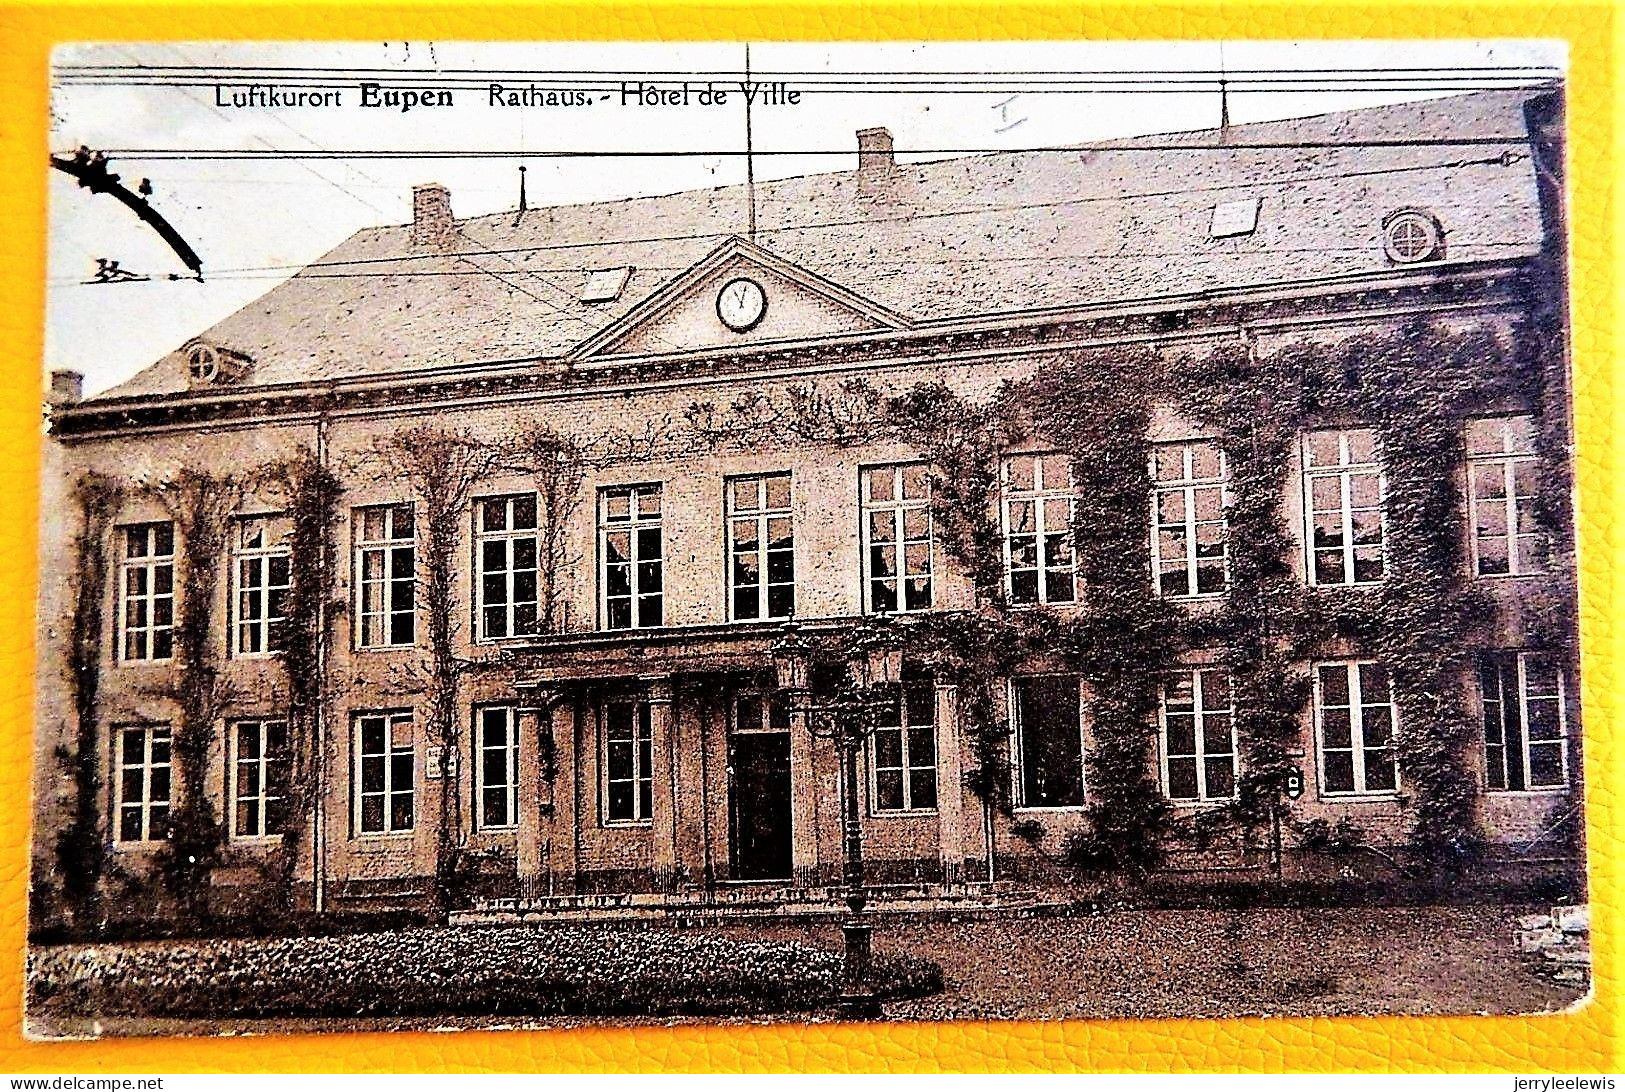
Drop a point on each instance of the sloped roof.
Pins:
(949, 239)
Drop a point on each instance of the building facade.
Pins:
(475, 561)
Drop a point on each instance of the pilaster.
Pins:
(950, 785)
(563, 807)
(804, 797)
(528, 841)
(689, 719)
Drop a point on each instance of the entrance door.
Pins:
(758, 794)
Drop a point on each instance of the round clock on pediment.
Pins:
(741, 304)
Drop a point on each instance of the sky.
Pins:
(254, 221)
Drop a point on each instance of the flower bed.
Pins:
(457, 971)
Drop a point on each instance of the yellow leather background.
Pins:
(1583, 1041)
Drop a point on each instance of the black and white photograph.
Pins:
(559, 534)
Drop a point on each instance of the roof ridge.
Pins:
(1084, 146)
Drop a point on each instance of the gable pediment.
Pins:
(740, 294)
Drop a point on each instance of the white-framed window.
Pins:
(628, 734)
(896, 503)
(754, 711)
(1048, 723)
(1038, 502)
(385, 773)
(143, 782)
(1343, 503)
(261, 571)
(903, 751)
(1503, 478)
(1526, 746)
(1188, 551)
(261, 766)
(1355, 724)
(761, 548)
(1198, 736)
(506, 546)
(631, 557)
(147, 592)
(386, 576)
(496, 771)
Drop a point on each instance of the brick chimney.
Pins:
(432, 223)
(67, 387)
(875, 152)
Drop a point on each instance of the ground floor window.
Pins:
(628, 762)
(386, 773)
(497, 770)
(903, 751)
(1198, 736)
(1355, 724)
(260, 771)
(1049, 741)
(1525, 730)
(143, 782)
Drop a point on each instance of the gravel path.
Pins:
(1161, 963)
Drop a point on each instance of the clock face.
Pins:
(741, 304)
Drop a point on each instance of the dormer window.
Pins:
(211, 365)
(1411, 235)
(1232, 218)
(203, 364)
(605, 285)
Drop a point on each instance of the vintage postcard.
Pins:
(543, 534)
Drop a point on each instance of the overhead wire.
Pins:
(1506, 159)
(1115, 146)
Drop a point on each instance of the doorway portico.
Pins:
(664, 766)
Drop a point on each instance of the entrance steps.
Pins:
(1557, 945)
(751, 901)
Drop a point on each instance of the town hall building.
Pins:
(530, 556)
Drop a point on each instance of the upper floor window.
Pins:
(1355, 722)
(261, 767)
(385, 773)
(1049, 740)
(147, 592)
(903, 751)
(1525, 727)
(1503, 475)
(143, 782)
(1038, 502)
(897, 536)
(506, 546)
(496, 773)
(386, 576)
(761, 548)
(1188, 551)
(1198, 736)
(1343, 496)
(261, 577)
(628, 762)
(631, 551)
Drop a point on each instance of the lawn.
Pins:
(447, 973)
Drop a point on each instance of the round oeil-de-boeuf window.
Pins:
(1411, 236)
(203, 362)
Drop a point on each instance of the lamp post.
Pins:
(847, 718)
